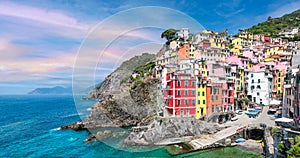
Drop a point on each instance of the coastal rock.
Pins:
(170, 130)
(103, 135)
(77, 126)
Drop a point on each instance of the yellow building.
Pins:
(246, 35)
(237, 49)
(276, 50)
(201, 91)
(217, 43)
(237, 46)
(280, 82)
(236, 41)
(242, 78)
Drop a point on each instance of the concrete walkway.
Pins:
(243, 120)
(211, 139)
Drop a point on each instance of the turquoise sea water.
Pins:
(29, 128)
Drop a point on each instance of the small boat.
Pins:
(240, 140)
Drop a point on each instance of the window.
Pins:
(203, 86)
(258, 87)
(212, 97)
(203, 102)
(186, 83)
(278, 85)
(213, 108)
(251, 75)
(185, 101)
(178, 93)
(179, 102)
(198, 93)
(258, 80)
(217, 97)
(203, 93)
(193, 101)
(185, 92)
(178, 83)
(193, 92)
(257, 93)
(224, 92)
(252, 81)
(254, 99)
(193, 83)
(181, 113)
(198, 101)
(278, 79)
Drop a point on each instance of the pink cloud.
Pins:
(40, 15)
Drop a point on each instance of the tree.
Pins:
(295, 150)
(296, 38)
(169, 34)
(269, 18)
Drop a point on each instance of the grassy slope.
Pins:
(273, 26)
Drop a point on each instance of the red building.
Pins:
(180, 94)
(267, 39)
(230, 94)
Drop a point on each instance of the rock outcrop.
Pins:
(169, 130)
(122, 100)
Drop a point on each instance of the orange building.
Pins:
(214, 98)
(184, 51)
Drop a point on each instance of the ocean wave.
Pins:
(72, 139)
(55, 129)
(72, 115)
(89, 109)
(12, 124)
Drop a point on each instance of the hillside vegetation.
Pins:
(273, 25)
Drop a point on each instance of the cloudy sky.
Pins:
(40, 40)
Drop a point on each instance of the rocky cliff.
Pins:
(122, 99)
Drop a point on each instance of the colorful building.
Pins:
(296, 102)
(214, 98)
(180, 94)
(201, 90)
(184, 52)
(259, 85)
